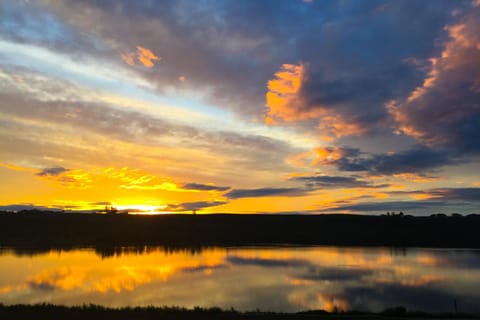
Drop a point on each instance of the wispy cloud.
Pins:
(334, 182)
(264, 192)
(193, 206)
(452, 199)
(204, 187)
(16, 167)
(266, 262)
(27, 206)
(128, 58)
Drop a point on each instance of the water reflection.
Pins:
(278, 279)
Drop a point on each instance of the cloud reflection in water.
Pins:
(279, 279)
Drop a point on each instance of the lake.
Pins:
(266, 278)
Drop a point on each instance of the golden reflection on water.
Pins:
(279, 279)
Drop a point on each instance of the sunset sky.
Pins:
(240, 106)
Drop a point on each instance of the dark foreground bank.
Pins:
(92, 312)
(51, 230)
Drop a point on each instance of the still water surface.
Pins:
(276, 279)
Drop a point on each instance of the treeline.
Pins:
(51, 230)
(95, 312)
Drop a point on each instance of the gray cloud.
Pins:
(43, 285)
(445, 110)
(101, 118)
(447, 200)
(331, 182)
(210, 42)
(26, 206)
(190, 206)
(460, 194)
(202, 268)
(415, 206)
(463, 194)
(54, 171)
(101, 203)
(335, 274)
(310, 184)
(26, 21)
(270, 263)
(418, 159)
(204, 187)
(427, 297)
(264, 192)
(249, 151)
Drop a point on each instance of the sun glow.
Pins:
(140, 208)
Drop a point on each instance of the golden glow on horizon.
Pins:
(137, 190)
(140, 208)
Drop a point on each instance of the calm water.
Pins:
(277, 279)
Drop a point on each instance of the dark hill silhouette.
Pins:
(54, 230)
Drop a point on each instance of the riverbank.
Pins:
(94, 312)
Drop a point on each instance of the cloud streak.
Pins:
(264, 192)
(334, 182)
(193, 206)
(204, 187)
(452, 199)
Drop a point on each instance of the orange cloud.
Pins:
(328, 155)
(82, 274)
(285, 103)
(72, 179)
(331, 303)
(128, 58)
(62, 278)
(414, 177)
(125, 178)
(143, 55)
(146, 57)
(335, 126)
(16, 168)
(318, 156)
(447, 97)
(282, 99)
(427, 83)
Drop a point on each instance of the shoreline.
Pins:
(74, 230)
